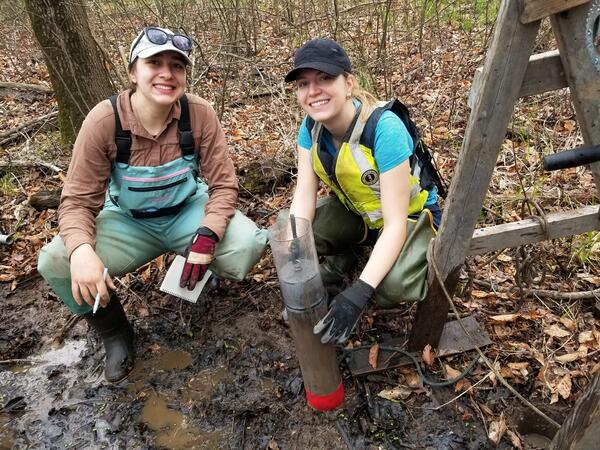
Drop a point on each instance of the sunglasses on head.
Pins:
(160, 37)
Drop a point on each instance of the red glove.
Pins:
(199, 255)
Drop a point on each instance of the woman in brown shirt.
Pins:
(167, 185)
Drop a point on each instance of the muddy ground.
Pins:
(219, 374)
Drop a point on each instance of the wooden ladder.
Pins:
(511, 72)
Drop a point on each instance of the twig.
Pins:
(15, 163)
(18, 361)
(26, 87)
(66, 328)
(476, 347)
(555, 295)
(16, 133)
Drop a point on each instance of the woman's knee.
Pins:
(53, 261)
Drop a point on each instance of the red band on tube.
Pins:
(326, 402)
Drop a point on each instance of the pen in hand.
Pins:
(97, 299)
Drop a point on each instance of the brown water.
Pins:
(173, 430)
(164, 359)
(7, 434)
(202, 385)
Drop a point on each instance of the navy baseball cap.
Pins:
(325, 55)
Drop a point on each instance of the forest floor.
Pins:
(222, 373)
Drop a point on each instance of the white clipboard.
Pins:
(170, 284)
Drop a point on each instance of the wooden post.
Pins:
(501, 82)
(570, 28)
(538, 9)
(581, 428)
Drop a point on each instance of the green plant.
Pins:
(586, 248)
(7, 185)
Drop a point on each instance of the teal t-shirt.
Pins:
(393, 144)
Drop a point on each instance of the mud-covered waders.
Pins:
(124, 243)
(150, 211)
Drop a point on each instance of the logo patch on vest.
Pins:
(370, 177)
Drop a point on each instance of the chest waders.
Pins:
(146, 192)
(141, 192)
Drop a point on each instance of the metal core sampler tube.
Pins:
(305, 300)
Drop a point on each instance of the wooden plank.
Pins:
(581, 428)
(538, 9)
(453, 341)
(544, 73)
(503, 75)
(576, 50)
(530, 230)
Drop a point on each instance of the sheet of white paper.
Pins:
(170, 284)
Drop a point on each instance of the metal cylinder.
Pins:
(305, 300)
(6, 239)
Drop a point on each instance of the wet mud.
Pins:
(220, 374)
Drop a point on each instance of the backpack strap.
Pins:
(421, 162)
(122, 137)
(398, 108)
(186, 137)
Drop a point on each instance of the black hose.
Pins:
(415, 361)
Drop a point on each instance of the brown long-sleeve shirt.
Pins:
(95, 151)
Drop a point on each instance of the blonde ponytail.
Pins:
(368, 100)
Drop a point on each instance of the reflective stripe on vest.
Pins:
(356, 177)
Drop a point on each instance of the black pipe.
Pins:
(572, 158)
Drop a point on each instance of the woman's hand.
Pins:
(87, 276)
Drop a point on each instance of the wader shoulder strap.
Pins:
(186, 137)
(122, 137)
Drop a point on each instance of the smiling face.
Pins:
(323, 97)
(159, 79)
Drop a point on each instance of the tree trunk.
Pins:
(74, 60)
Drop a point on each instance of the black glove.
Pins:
(345, 311)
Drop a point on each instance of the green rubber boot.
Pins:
(117, 336)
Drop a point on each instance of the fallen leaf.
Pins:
(413, 380)
(451, 373)
(570, 324)
(272, 445)
(428, 356)
(570, 357)
(497, 430)
(504, 257)
(373, 354)
(396, 394)
(462, 385)
(480, 294)
(585, 336)
(514, 439)
(556, 331)
(564, 387)
(505, 317)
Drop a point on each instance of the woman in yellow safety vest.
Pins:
(366, 163)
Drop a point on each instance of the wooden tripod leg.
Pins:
(577, 52)
(501, 81)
